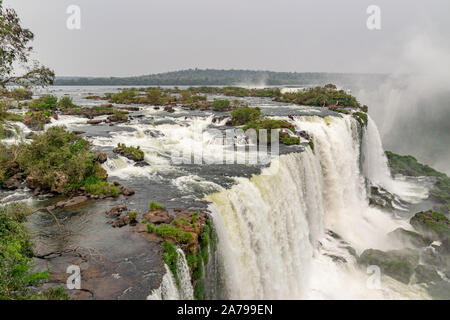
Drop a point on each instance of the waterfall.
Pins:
(272, 228)
(376, 169)
(186, 291)
(168, 289)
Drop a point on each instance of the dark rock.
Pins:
(115, 211)
(127, 192)
(32, 182)
(169, 109)
(158, 217)
(77, 132)
(61, 181)
(94, 121)
(102, 157)
(426, 274)
(121, 222)
(75, 201)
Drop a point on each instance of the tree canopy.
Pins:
(15, 50)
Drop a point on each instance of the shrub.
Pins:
(156, 206)
(44, 103)
(133, 215)
(21, 94)
(55, 294)
(170, 257)
(65, 102)
(220, 105)
(16, 265)
(194, 217)
(151, 228)
(244, 115)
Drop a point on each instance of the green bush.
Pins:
(156, 206)
(170, 257)
(220, 105)
(65, 102)
(21, 94)
(16, 266)
(244, 115)
(44, 103)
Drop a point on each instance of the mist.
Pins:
(412, 107)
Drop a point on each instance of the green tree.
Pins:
(15, 49)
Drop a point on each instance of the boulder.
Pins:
(121, 222)
(169, 109)
(426, 274)
(433, 225)
(398, 264)
(32, 182)
(75, 201)
(158, 217)
(61, 181)
(127, 192)
(14, 182)
(94, 121)
(115, 211)
(409, 238)
(102, 157)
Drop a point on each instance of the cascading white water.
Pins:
(184, 275)
(169, 290)
(376, 168)
(271, 228)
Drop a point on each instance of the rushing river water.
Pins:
(273, 227)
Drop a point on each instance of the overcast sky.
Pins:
(135, 37)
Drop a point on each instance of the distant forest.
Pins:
(220, 77)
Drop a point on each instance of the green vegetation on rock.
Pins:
(409, 166)
(156, 206)
(321, 96)
(17, 272)
(398, 264)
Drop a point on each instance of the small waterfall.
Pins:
(169, 289)
(272, 227)
(376, 168)
(186, 290)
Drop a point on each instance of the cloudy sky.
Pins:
(135, 37)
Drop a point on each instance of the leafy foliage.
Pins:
(16, 266)
(15, 49)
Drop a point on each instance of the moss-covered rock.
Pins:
(398, 264)
(433, 225)
(426, 274)
(410, 238)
